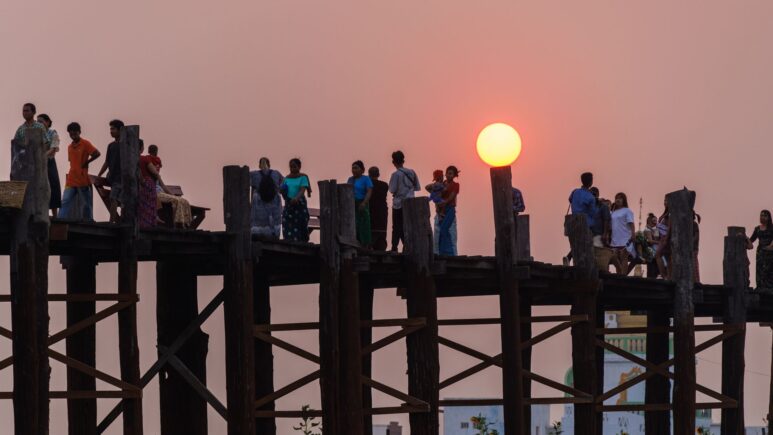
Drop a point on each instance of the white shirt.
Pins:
(403, 184)
(621, 230)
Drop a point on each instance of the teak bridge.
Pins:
(347, 276)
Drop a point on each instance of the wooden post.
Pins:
(585, 361)
(350, 372)
(523, 238)
(127, 276)
(81, 280)
(658, 388)
(421, 300)
(736, 276)
(238, 303)
(680, 206)
(526, 331)
(329, 287)
(264, 352)
(29, 286)
(509, 304)
(770, 395)
(183, 411)
(366, 337)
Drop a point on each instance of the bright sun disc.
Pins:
(499, 145)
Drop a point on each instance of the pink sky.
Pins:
(650, 97)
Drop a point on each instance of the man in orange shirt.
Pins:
(77, 200)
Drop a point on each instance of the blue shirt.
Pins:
(361, 186)
(583, 202)
(518, 205)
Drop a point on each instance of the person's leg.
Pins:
(436, 235)
(88, 203)
(454, 235)
(67, 200)
(446, 245)
(397, 227)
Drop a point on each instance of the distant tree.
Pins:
(483, 426)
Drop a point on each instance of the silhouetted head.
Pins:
(45, 120)
(398, 158)
(115, 128)
(587, 180)
(373, 172)
(153, 150)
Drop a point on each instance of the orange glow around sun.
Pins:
(499, 145)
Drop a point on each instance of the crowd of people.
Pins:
(279, 203)
(76, 202)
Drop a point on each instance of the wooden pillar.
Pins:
(127, 276)
(264, 352)
(585, 361)
(736, 276)
(366, 337)
(29, 286)
(183, 410)
(658, 388)
(238, 303)
(329, 287)
(81, 346)
(526, 331)
(421, 300)
(680, 206)
(770, 395)
(523, 238)
(509, 304)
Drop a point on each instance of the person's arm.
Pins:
(157, 176)
(93, 156)
(428, 187)
(366, 200)
(103, 169)
(393, 183)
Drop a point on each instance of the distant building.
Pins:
(715, 430)
(387, 429)
(457, 419)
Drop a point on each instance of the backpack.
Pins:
(267, 188)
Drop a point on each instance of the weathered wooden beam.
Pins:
(680, 206)
(350, 370)
(127, 276)
(736, 276)
(526, 332)
(515, 408)
(658, 388)
(421, 300)
(81, 281)
(29, 286)
(264, 352)
(585, 361)
(238, 304)
(523, 238)
(182, 410)
(366, 337)
(329, 290)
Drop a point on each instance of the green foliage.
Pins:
(308, 425)
(483, 426)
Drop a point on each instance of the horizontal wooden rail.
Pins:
(62, 297)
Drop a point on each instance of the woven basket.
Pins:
(12, 194)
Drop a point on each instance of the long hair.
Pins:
(767, 213)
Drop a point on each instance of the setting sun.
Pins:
(499, 145)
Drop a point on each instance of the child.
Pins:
(435, 190)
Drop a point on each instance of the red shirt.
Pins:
(144, 160)
(451, 187)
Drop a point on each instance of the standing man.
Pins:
(113, 167)
(518, 205)
(28, 113)
(379, 211)
(582, 201)
(402, 184)
(77, 200)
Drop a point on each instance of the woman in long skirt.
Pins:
(763, 233)
(295, 216)
(363, 189)
(266, 213)
(53, 172)
(447, 238)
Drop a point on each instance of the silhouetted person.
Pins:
(379, 211)
(402, 184)
(77, 200)
(112, 165)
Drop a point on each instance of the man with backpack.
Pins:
(266, 214)
(402, 184)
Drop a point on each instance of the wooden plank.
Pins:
(523, 238)
(295, 350)
(92, 372)
(238, 304)
(350, 357)
(278, 327)
(264, 352)
(127, 276)
(389, 339)
(736, 276)
(29, 232)
(421, 301)
(88, 322)
(329, 288)
(393, 392)
(555, 385)
(183, 409)
(366, 337)
(585, 362)
(197, 386)
(81, 283)
(509, 300)
(287, 389)
(658, 388)
(680, 206)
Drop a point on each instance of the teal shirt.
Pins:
(20, 131)
(293, 185)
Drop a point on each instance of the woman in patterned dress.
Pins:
(53, 172)
(763, 233)
(295, 216)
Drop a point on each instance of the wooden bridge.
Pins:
(347, 276)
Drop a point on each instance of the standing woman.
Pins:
(53, 173)
(266, 215)
(295, 216)
(623, 233)
(148, 199)
(447, 238)
(363, 189)
(763, 233)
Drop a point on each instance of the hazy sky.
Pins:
(649, 96)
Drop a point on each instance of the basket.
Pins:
(12, 194)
